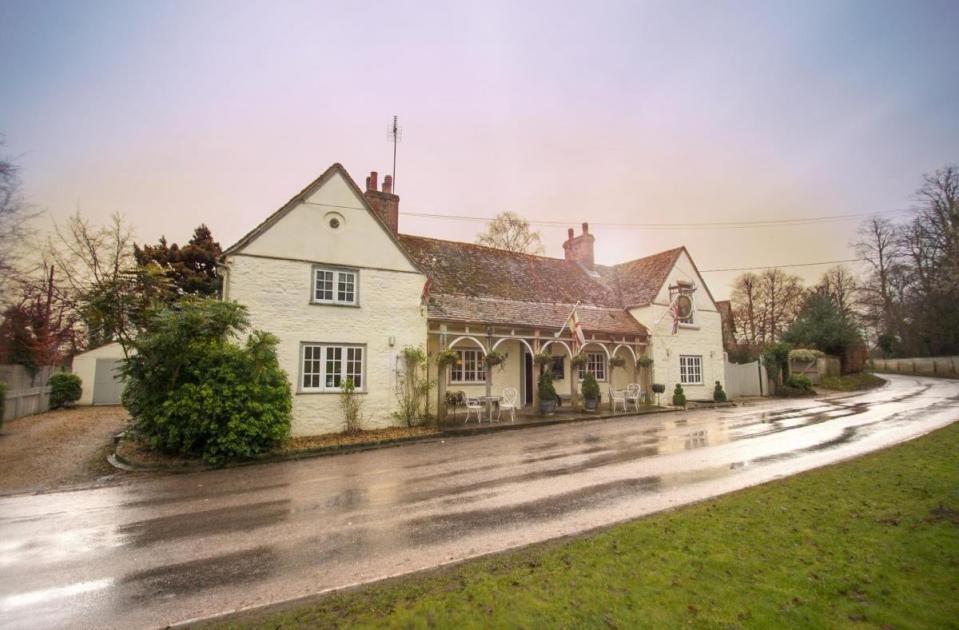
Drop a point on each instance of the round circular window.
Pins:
(334, 223)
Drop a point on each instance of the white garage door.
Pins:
(107, 384)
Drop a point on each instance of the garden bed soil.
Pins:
(58, 448)
(137, 454)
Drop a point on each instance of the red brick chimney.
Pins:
(580, 248)
(384, 202)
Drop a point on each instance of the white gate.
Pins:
(746, 379)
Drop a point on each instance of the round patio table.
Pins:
(489, 400)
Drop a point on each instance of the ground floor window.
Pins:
(595, 365)
(327, 366)
(558, 368)
(690, 369)
(471, 367)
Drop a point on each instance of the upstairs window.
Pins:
(595, 365)
(334, 286)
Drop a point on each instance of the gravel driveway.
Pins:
(57, 448)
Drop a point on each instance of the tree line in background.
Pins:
(87, 285)
(904, 305)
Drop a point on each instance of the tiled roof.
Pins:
(641, 279)
(473, 283)
(497, 311)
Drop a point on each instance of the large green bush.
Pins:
(65, 389)
(192, 390)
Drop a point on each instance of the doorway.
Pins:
(527, 379)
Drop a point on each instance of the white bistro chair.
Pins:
(617, 397)
(634, 394)
(474, 405)
(508, 402)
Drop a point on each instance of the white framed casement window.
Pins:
(325, 367)
(690, 369)
(471, 367)
(595, 365)
(335, 286)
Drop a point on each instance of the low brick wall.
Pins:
(924, 366)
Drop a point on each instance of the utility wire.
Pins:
(715, 225)
(811, 264)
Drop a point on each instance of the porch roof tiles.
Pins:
(478, 284)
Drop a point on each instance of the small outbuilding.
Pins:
(99, 371)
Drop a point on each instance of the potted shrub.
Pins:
(590, 392)
(679, 397)
(718, 394)
(547, 393)
(659, 388)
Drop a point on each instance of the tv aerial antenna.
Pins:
(394, 135)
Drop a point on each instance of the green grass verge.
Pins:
(869, 543)
(851, 382)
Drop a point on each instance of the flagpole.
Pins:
(566, 321)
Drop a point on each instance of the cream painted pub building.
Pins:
(332, 277)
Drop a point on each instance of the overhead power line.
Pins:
(692, 225)
(810, 264)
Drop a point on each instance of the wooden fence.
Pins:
(27, 394)
(746, 379)
(922, 366)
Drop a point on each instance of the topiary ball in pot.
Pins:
(65, 389)
(679, 397)
(718, 394)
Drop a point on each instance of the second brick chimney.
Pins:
(580, 248)
(384, 202)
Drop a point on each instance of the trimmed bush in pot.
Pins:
(547, 393)
(679, 396)
(590, 392)
(718, 394)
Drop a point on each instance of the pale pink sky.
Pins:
(179, 112)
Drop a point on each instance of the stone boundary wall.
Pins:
(923, 366)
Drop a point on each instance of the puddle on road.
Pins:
(187, 578)
(207, 494)
(206, 523)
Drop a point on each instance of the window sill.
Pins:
(310, 392)
(343, 304)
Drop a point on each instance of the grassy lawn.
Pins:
(851, 382)
(868, 543)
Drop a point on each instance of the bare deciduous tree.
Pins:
(765, 304)
(511, 232)
(14, 215)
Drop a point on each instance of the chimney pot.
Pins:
(372, 182)
(570, 233)
(580, 248)
(585, 228)
(388, 184)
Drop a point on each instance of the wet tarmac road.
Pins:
(182, 547)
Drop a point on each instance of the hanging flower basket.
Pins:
(494, 358)
(617, 362)
(447, 357)
(644, 362)
(578, 360)
(543, 358)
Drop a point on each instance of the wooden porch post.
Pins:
(535, 379)
(489, 368)
(441, 381)
(573, 390)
